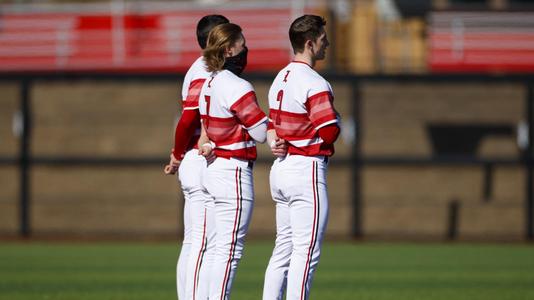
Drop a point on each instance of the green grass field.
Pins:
(347, 271)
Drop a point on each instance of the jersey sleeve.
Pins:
(185, 84)
(202, 104)
(270, 123)
(193, 92)
(185, 130)
(247, 110)
(320, 105)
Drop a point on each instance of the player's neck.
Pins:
(305, 58)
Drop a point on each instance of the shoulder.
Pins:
(309, 81)
(314, 78)
(198, 70)
(195, 76)
(316, 83)
(232, 83)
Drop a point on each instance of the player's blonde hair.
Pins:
(220, 38)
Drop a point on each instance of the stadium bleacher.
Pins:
(481, 42)
(128, 38)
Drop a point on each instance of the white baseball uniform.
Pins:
(194, 261)
(300, 103)
(229, 109)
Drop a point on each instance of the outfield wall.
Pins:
(135, 119)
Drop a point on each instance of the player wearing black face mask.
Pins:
(237, 63)
(232, 123)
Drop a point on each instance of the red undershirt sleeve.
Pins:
(329, 133)
(185, 129)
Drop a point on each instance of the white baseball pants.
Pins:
(298, 187)
(230, 182)
(194, 263)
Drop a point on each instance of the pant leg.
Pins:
(203, 288)
(181, 266)
(276, 273)
(230, 183)
(198, 263)
(181, 269)
(190, 176)
(308, 210)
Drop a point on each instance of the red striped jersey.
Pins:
(301, 102)
(193, 81)
(228, 107)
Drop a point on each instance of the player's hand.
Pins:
(279, 147)
(206, 150)
(173, 166)
(170, 170)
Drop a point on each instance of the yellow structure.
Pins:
(384, 46)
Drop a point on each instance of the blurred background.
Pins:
(436, 99)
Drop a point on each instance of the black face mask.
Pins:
(237, 63)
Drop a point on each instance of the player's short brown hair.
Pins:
(221, 38)
(205, 25)
(307, 27)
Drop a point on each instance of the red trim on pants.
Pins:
(234, 235)
(314, 233)
(200, 254)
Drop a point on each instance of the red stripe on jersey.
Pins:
(193, 93)
(247, 110)
(320, 109)
(228, 131)
(312, 150)
(219, 121)
(293, 126)
(288, 114)
(244, 153)
(296, 127)
(225, 131)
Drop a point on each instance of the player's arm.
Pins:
(250, 115)
(185, 129)
(189, 121)
(173, 165)
(323, 116)
(258, 132)
(329, 133)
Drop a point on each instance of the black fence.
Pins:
(25, 160)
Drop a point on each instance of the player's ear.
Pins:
(228, 52)
(308, 45)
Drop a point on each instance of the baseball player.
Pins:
(233, 122)
(301, 112)
(193, 263)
